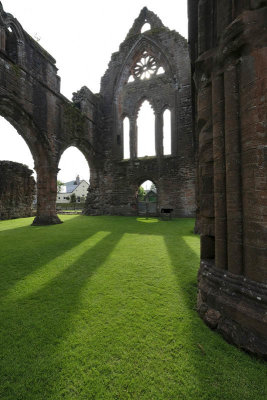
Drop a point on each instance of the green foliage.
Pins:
(16, 69)
(141, 193)
(59, 185)
(153, 187)
(105, 308)
(73, 198)
(73, 118)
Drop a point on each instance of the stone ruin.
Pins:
(229, 55)
(30, 99)
(17, 188)
(227, 141)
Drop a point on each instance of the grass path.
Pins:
(103, 308)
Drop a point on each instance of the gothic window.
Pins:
(146, 67)
(11, 44)
(146, 27)
(126, 138)
(166, 132)
(67, 172)
(146, 131)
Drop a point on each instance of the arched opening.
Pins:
(146, 27)
(73, 180)
(160, 71)
(13, 146)
(11, 44)
(146, 131)
(147, 199)
(167, 132)
(126, 138)
(130, 79)
(17, 185)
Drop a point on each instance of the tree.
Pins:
(141, 193)
(59, 186)
(73, 198)
(153, 187)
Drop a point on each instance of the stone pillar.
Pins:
(46, 196)
(232, 289)
(233, 172)
(133, 138)
(159, 134)
(206, 171)
(21, 52)
(2, 38)
(253, 106)
(219, 172)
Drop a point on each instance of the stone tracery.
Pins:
(146, 67)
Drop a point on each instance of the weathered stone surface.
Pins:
(17, 188)
(235, 306)
(31, 101)
(174, 175)
(229, 65)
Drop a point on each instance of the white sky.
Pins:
(81, 35)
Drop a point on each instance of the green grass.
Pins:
(104, 308)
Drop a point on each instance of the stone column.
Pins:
(253, 106)
(46, 196)
(133, 138)
(159, 134)
(206, 205)
(233, 172)
(21, 52)
(219, 172)
(2, 38)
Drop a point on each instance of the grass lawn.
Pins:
(104, 308)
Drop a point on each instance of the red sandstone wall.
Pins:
(17, 188)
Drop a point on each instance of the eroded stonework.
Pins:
(153, 66)
(229, 57)
(228, 52)
(17, 188)
(31, 101)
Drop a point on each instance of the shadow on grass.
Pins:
(39, 323)
(217, 364)
(24, 250)
(34, 328)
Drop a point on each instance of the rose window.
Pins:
(146, 67)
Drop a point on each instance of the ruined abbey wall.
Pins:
(229, 66)
(173, 174)
(17, 188)
(31, 101)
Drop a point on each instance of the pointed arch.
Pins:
(143, 44)
(145, 16)
(167, 133)
(146, 27)
(74, 175)
(13, 36)
(24, 125)
(146, 143)
(147, 197)
(80, 146)
(126, 138)
(13, 145)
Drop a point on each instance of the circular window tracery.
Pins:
(145, 67)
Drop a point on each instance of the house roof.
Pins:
(71, 185)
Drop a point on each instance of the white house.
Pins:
(77, 187)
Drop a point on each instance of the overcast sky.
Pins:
(81, 35)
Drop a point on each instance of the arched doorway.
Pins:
(13, 146)
(73, 180)
(17, 184)
(147, 199)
